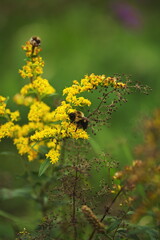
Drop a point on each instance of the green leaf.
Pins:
(113, 226)
(144, 231)
(52, 94)
(95, 145)
(130, 212)
(146, 220)
(153, 234)
(6, 193)
(7, 153)
(9, 216)
(135, 237)
(43, 167)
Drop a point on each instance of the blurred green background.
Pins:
(78, 38)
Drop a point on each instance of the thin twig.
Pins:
(106, 212)
(98, 107)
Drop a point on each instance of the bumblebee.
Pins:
(79, 119)
(35, 41)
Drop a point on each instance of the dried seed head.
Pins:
(100, 227)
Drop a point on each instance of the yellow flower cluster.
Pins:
(45, 126)
(2, 105)
(28, 48)
(21, 100)
(37, 112)
(47, 133)
(40, 86)
(22, 144)
(33, 68)
(112, 81)
(6, 130)
(14, 116)
(54, 155)
(59, 114)
(6, 113)
(70, 130)
(89, 83)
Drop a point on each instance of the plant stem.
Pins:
(106, 212)
(74, 205)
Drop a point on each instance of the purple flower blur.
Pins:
(129, 15)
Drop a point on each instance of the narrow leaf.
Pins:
(9, 216)
(113, 226)
(6, 193)
(43, 167)
(95, 146)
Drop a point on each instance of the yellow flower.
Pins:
(32, 155)
(2, 99)
(27, 129)
(26, 89)
(59, 114)
(22, 145)
(28, 48)
(6, 130)
(120, 85)
(53, 144)
(70, 130)
(42, 86)
(14, 115)
(53, 155)
(21, 100)
(46, 133)
(37, 111)
(2, 109)
(2, 105)
(34, 66)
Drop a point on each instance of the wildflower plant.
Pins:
(58, 138)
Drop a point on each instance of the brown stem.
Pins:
(106, 212)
